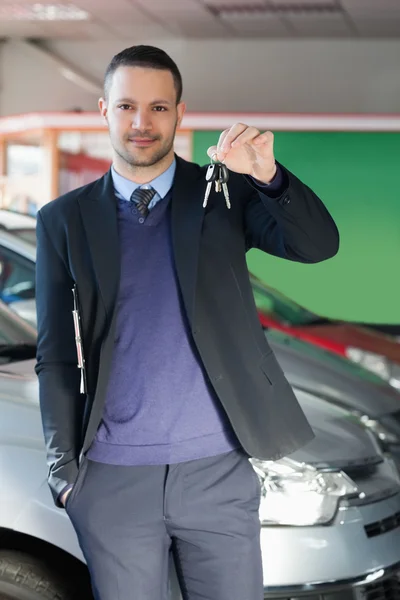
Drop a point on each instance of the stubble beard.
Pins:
(133, 160)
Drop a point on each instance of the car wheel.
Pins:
(24, 577)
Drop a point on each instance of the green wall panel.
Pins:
(357, 175)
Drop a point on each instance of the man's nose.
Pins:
(141, 120)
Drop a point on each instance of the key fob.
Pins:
(212, 173)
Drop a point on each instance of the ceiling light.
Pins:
(42, 12)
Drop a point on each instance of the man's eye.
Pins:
(160, 108)
(124, 106)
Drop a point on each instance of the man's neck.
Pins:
(142, 175)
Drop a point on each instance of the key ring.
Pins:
(213, 160)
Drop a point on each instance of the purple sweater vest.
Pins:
(160, 407)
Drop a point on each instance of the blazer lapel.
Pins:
(99, 216)
(186, 222)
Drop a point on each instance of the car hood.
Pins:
(330, 376)
(340, 439)
(356, 337)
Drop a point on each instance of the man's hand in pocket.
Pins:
(64, 497)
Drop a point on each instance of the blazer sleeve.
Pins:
(292, 223)
(61, 404)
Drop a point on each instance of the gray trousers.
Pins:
(202, 514)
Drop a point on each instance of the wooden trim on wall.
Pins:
(51, 165)
(3, 156)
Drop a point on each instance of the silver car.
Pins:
(23, 226)
(329, 512)
(342, 383)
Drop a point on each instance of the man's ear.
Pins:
(181, 108)
(103, 107)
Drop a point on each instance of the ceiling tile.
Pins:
(162, 6)
(378, 5)
(194, 19)
(319, 25)
(99, 5)
(375, 15)
(97, 31)
(301, 3)
(174, 4)
(261, 24)
(233, 3)
(381, 28)
(201, 28)
(135, 32)
(30, 2)
(81, 31)
(21, 29)
(41, 12)
(119, 17)
(119, 13)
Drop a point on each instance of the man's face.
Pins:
(142, 114)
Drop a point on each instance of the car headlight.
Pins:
(298, 494)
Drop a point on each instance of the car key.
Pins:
(211, 176)
(223, 180)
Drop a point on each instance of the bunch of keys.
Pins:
(217, 173)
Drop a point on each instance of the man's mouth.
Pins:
(141, 141)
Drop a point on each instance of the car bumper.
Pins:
(381, 584)
(362, 540)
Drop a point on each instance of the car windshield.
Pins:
(17, 275)
(271, 302)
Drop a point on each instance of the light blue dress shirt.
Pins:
(124, 187)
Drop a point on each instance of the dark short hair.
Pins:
(148, 57)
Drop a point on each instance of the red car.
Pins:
(372, 350)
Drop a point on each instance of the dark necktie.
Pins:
(141, 199)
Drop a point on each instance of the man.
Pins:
(182, 386)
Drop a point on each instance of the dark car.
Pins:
(374, 351)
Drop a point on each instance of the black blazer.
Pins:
(77, 242)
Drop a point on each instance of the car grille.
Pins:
(369, 482)
(385, 590)
(361, 471)
(383, 526)
(396, 416)
(374, 481)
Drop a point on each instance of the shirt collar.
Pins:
(161, 184)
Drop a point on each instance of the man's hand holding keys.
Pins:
(243, 149)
